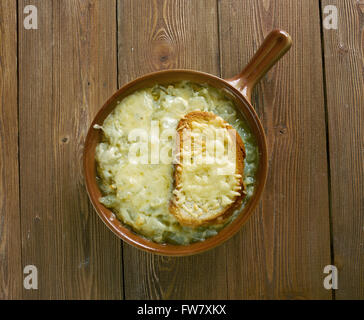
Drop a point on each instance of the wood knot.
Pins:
(281, 129)
(343, 49)
(163, 50)
(162, 54)
(65, 140)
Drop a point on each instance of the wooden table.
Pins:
(55, 78)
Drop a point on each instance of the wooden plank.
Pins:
(156, 35)
(344, 69)
(10, 242)
(281, 252)
(68, 68)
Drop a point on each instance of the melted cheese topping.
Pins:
(208, 183)
(139, 193)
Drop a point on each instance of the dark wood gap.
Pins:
(332, 254)
(18, 117)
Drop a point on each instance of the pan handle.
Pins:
(275, 45)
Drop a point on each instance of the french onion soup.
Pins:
(176, 163)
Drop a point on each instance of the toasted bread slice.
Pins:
(208, 173)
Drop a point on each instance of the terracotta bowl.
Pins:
(239, 90)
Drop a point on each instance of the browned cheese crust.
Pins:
(220, 217)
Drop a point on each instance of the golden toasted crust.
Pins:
(220, 217)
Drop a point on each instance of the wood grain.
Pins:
(155, 35)
(67, 70)
(10, 241)
(344, 69)
(281, 252)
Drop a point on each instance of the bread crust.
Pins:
(223, 215)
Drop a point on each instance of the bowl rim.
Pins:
(139, 241)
